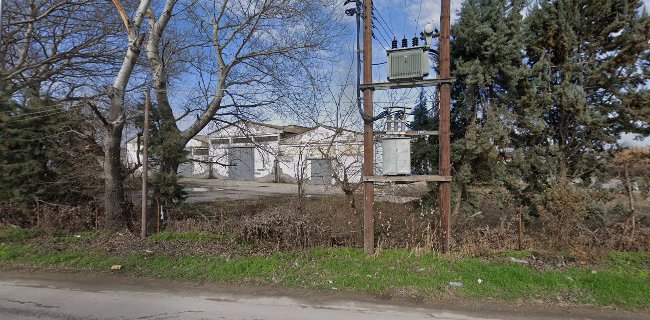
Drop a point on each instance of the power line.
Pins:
(382, 23)
(418, 18)
(18, 117)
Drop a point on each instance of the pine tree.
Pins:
(589, 65)
(424, 150)
(487, 56)
(165, 156)
(43, 154)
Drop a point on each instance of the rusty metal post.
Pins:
(145, 165)
(444, 136)
(521, 228)
(368, 140)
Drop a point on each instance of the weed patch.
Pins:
(188, 236)
(622, 280)
(13, 235)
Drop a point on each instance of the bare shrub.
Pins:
(284, 226)
(562, 210)
(86, 216)
(12, 213)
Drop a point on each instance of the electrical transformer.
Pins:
(396, 156)
(396, 147)
(408, 63)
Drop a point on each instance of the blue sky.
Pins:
(396, 18)
(401, 18)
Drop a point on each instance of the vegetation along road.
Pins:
(74, 296)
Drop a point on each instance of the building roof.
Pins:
(288, 128)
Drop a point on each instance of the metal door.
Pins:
(321, 171)
(242, 164)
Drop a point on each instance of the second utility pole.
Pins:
(368, 139)
(145, 165)
(444, 130)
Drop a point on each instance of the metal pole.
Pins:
(521, 229)
(368, 141)
(145, 165)
(358, 16)
(1, 9)
(444, 136)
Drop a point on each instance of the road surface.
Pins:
(208, 190)
(77, 296)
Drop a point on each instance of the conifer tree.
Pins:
(44, 154)
(487, 56)
(424, 150)
(589, 67)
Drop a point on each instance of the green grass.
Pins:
(188, 236)
(622, 280)
(13, 235)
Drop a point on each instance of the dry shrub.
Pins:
(562, 211)
(68, 218)
(12, 213)
(283, 226)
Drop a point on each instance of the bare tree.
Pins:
(113, 122)
(55, 48)
(246, 55)
(345, 164)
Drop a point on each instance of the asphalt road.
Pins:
(77, 296)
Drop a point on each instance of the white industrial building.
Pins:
(197, 150)
(252, 151)
(255, 151)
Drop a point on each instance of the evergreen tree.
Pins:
(165, 156)
(43, 156)
(589, 67)
(487, 56)
(424, 150)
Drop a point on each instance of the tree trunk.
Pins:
(114, 200)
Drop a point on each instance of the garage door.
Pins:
(320, 171)
(242, 164)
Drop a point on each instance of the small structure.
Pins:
(253, 151)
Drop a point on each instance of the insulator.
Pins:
(415, 41)
(405, 43)
(394, 43)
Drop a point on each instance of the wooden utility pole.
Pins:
(444, 131)
(145, 164)
(368, 140)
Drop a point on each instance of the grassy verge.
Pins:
(623, 280)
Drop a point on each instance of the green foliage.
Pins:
(165, 155)
(542, 99)
(13, 235)
(563, 209)
(24, 149)
(621, 281)
(587, 62)
(424, 150)
(488, 65)
(167, 189)
(44, 154)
